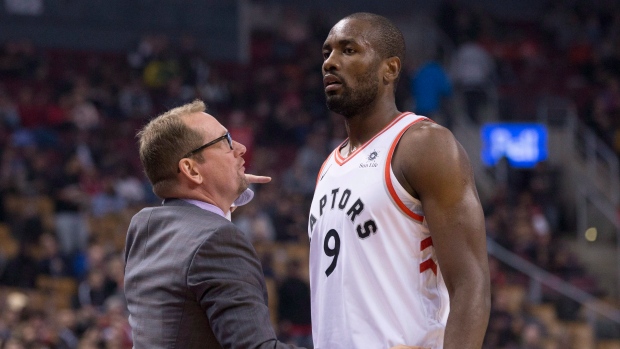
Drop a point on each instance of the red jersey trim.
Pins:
(340, 160)
(426, 243)
(428, 264)
(388, 178)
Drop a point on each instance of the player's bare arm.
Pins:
(434, 168)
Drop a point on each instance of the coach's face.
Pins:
(350, 67)
(219, 168)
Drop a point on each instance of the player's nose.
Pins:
(331, 62)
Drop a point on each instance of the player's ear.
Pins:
(391, 70)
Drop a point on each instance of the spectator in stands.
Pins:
(214, 90)
(66, 323)
(501, 331)
(115, 328)
(27, 225)
(21, 59)
(52, 262)
(108, 201)
(93, 291)
(21, 270)
(93, 258)
(128, 186)
(84, 113)
(155, 61)
(91, 339)
(607, 110)
(134, 100)
(297, 180)
(430, 86)
(255, 223)
(312, 154)
(294, 307)
(473, 73)
(114, 277)
(283, 219)
(177, 94)
(9, 116)
(69, 204)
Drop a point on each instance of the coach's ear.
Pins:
(391, 69)
(189, 170)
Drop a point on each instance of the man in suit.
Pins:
(192, 279)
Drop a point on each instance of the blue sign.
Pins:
(523, 145)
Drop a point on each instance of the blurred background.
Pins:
(531, 88)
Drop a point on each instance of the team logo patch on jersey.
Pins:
(371, 160)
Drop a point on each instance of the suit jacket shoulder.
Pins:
(191, 276)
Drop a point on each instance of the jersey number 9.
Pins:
(332, 252)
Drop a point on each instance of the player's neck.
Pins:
(362, 127)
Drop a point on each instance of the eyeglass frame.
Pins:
(226, 136)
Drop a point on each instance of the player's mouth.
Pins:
(331, 82)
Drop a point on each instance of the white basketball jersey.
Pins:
(374, 278)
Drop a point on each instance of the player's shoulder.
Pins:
(428, 155)
(427, 136)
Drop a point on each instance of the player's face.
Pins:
(350, 68)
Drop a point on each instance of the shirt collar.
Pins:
(206, 206)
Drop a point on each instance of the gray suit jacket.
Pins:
(193, 280)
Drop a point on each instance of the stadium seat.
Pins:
(60, 290)
(546, 314)
(512, 297)
(581, 335)
(272, 292)
(8, 244)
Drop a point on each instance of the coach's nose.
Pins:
(239, 148)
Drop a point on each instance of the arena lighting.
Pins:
(591, 234)
(522, 144)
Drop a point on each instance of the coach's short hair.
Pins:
(388, 39)
(164, 141)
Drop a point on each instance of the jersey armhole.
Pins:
(390, 182)
(318, 176)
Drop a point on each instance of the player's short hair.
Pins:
(164, 141)
(388, 39)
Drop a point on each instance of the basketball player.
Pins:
(397, 239)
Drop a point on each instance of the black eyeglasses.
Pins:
(227, 137)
